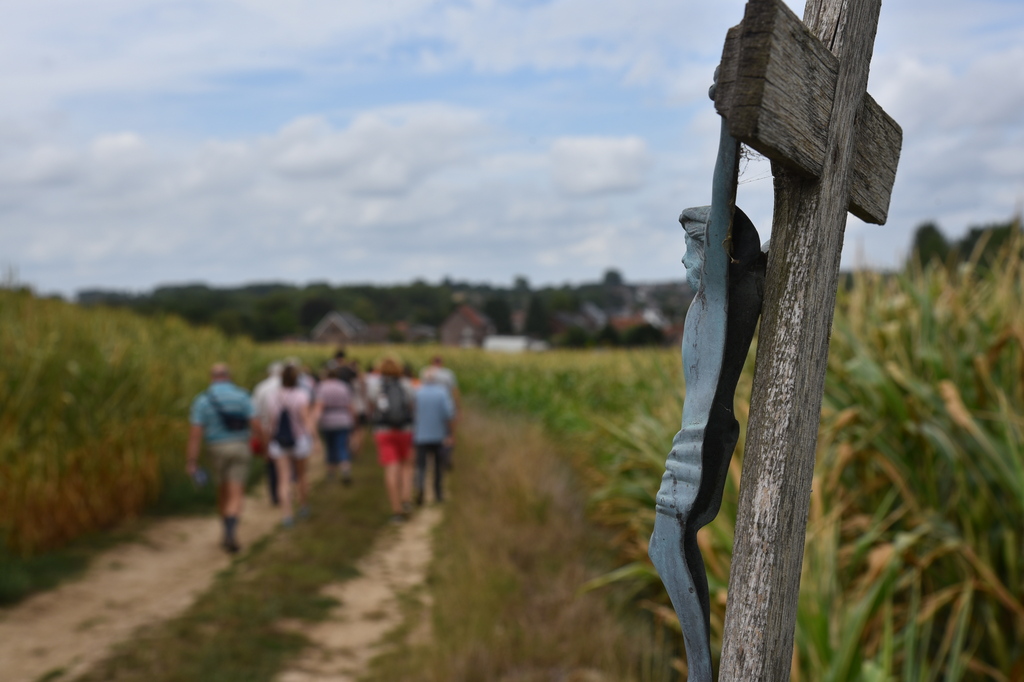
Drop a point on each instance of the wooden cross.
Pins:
(796, 93)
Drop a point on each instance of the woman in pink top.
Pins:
(334, 415)
(291, 442)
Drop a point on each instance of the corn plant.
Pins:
(93, 410)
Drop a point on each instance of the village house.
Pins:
(339, 329)
(414, 333)
(466, 327)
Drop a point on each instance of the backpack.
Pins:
(284, 435)
(393, 407)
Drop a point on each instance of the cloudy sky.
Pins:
(145, 142)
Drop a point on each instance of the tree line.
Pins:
(982, 243)
(272, 311)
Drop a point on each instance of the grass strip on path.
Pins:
(229, 633)
(511, 556)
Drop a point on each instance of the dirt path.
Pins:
(370, 606)
(68, 629)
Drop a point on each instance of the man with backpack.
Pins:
(224, 418)
(391, 403)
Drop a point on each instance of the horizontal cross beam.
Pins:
(776, 88)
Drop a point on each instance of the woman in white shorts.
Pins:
(291, 442)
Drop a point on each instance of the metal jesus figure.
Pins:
(725, 266)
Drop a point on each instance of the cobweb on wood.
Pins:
(748, 155)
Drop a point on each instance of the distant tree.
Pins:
(521, 285)
(500, 312)
(929, 245)
(428, 304)
(608, 336)
(985, 242)
(613, 278)
(364, 309)
(537, 323)
(563, 300)
(313, 310)
(982, 242)
(643, 335)
(574, 337)
(231, 322)
(276, 317)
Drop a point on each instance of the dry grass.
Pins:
(512, 554)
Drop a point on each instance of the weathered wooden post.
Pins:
(796, 93)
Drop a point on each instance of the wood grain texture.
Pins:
(776, 88)
(789, 378)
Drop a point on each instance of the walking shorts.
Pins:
(393, 446)
(230, 459)
(303, 446)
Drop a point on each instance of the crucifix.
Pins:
(796, 92)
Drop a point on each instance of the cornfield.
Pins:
(912, 567)
(92, 413)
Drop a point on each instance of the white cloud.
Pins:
(562, 134)
(950, 77)
(590, 165)
(397, 192)
(380, 152)
(52, 50)
(117, 146)
(46, 165)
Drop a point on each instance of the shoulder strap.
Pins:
(213, 401)
(221, 412)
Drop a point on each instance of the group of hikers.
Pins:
(292, 414)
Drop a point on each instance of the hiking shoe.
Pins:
(231, 546)
(346, 480)
(303, 512)
(287, 522)
(397, 519)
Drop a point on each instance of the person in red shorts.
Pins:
(392, 401)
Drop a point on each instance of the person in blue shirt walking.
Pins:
(432, 431)
(223, 416)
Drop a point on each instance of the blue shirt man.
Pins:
(229, 399)
(223, 416)
(432, 430)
